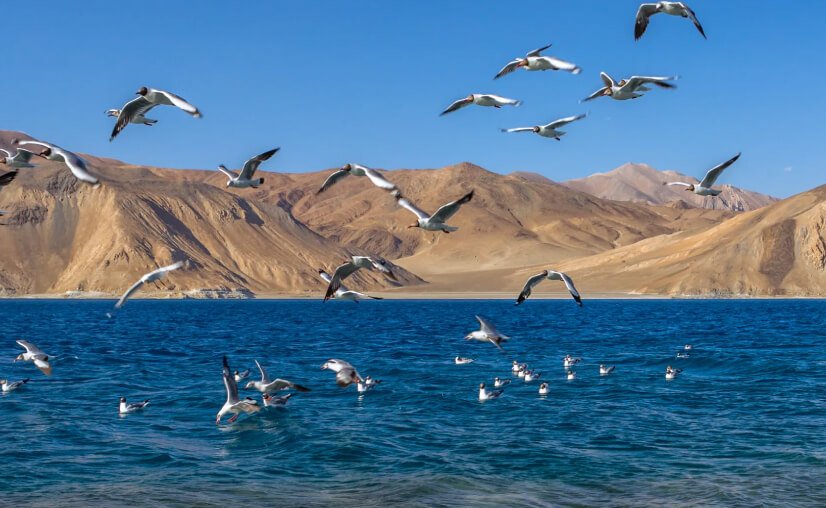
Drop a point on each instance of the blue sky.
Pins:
(332, 82)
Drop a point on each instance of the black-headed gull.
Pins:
(126, 408)
(704, 187)
(147, 99)
(19, 160)
(342, 293)
(462, 361)
(571, 375)
(265, 385)
(9, 386)
(549, 130)
(35, 355)
(346, 374)
(486, 395)
(152, 276)
(604, 370)
(437, 221)
(534, 61)
(499, 383)
(630, 88)
(234, 405)
(673, 8)
(548, 275)
(480, 99)
(357, 170)
(672, 373)
(244, 178)
(276, 400)
(240, 376)
(487, 333)
(350, 267)
(532, 375)
(570, 361)
(543, 389)
(54, 153)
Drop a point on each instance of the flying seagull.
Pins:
(126, 408)
(54, 153)
(342, 293)
(533, 61)
(673, 8)
(148, 99)
(549, 130)
(346, 374)
(35, 355)
(267, 386)
(19, 160)
(480, 99)
(704, 187)
(357, 170)
(352, 266)
(487, 333)
(244, 177)
(630, 88)
(137, 119)
(549, 275)
(153, 276)
(234, 405)
(435, 222)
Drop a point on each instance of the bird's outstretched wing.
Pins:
(378, 180)
(230, 173)
(641, 23)
(539, 51)
(565, 121)
(264, 377)
(404, 203)
(518, 129)
(179, 102)
(342, 272)
(229, 383)
(333, 178)
(508, 68)
(693, 17)
(252, 165)
(635, 82)
(449, 210)
(459, 104)
(129, 292)
(529, 285)
(569, 284)
(137, 106)
(716, 171)
(598, 93)
(7, 178)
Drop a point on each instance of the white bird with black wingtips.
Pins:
(437, 221)
(604, 370)
(350, 267)
(244, 178)
(148, 99)
(486, 395)
(548, 275)
(630, 88)
(704, 187)
(54, 153)
(487, 333)
(534, 61)
(234, 404)
(673, 8)
(265, 385)
(126, 408)
(549, 130)
(346, 374)
(357, 170)
(481, 99)
(35, 355)
(342, 293)
(9, 386)
(152, 276)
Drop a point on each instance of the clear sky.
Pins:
(334, 81)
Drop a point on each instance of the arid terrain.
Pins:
(61, 235)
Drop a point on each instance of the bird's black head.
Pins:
(123, 399)
(142, 91)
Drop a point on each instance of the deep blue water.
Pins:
(744, 425)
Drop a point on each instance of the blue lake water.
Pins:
(745, 423)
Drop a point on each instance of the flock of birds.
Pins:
(135, 110)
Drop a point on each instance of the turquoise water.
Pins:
(743, 425)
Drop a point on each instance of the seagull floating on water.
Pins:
(152, 276)
(515, 367)
(9, 386)
(437, 221)
(671, 373)
(549, 275)
(35, 355)
(533, 61)
(704, 187)
(571, 375)
(630, 88)
(532, 375)
(352, 266)
(688, 347)
(346, 374)
(549, 130)
(267, 386)
(19, 160)
(234, 404)
(462, 361)
(54, 153)
(486, 395)
(543, 389)
(357, 170)
(342, 293)
(570, 361)
(148, 99)
(487, 333)
(244, 178)
(604, 370)
(481, 99)
(499, 383)
(125, 408)
(673, 8)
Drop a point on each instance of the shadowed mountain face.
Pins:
(643, 184)
(62, 235)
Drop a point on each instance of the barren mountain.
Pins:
(643, 184)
